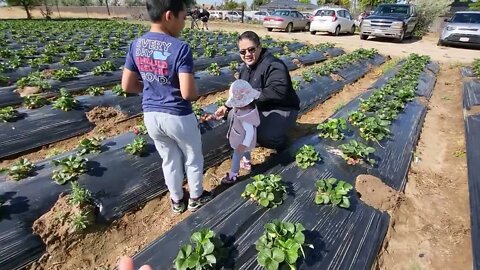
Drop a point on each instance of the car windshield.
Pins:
(281, 13)
(466, 18)
(391, 9)
(324, 12)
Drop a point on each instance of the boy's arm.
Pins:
(130, 77)
(131, 82)
(188, 87)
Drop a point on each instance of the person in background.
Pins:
(278, 104)
(165, 65)
(195, 16)
(242, 132)
(204, 16)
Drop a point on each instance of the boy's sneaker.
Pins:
(178, 207)
(195, 204)
(229, 179)
(245, 164)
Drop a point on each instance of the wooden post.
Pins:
(243, 12)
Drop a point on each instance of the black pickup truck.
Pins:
(390, 20)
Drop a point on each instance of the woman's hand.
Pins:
(241, 148)
(221, 111)
(126, 263)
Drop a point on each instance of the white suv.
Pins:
(332, 20)
(217, 15)
(233, 16)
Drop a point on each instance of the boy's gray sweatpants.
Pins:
(178, 141)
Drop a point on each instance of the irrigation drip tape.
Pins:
(138, 180)
(342, 238)
(41, 127)
(472, 133)
(471, 93)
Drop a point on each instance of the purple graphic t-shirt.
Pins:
(159, 58)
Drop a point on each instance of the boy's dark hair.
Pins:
(156, 8)
(250, 35)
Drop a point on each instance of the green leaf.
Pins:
(211, 259)
(278, 255)
(208, 248)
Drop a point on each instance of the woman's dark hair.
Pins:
(156, 8)
(250, 35)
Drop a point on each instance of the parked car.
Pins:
(287, 20)
(260, 15)
(390, 20)
(235, 16)
(216, 15)
(333, 20)
(307, 15)
(463, 28)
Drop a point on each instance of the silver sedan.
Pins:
(287, 20)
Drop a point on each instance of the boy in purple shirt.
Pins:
(165, 65)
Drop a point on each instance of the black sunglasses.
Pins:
(250, 50)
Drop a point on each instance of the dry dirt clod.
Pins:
(375, 193)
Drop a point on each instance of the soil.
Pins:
(431, 227)
(376, 193)
(209, 99)
(56, 229)
(108, 121)
(104, 245)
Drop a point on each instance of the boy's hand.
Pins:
(241, 148)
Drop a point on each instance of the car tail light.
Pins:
(334, 18)
(278, 19)
(266, 18)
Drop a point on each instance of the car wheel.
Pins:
(400, 39)
(337, 31)
(269, 29)
(289, 28)
(307, 27)
(352, 31)
(363, 37)
(313, 32)
(440, 43)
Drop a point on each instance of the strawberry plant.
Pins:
(104, 67)
(20, 169)
(333, 129)
(220, 101)
(65, 102)
(140, 129)
(222, 52)
(307, 76)
(70, 168)
(118, 90)
(79, 222)
(355, 152)
(209, 51)
(34, 79)
(7, 114)
(65, 74)
(233, 66)
(214, 69)
(306, 157)
(296, 85)
(95, 91)
(281, 245)
(206, 251)
(137, 147)
(79, 196)
(476, 67)
(4, 80)
(34, 101)
(374, 129)
(355, 118)
(197, 110)
(88, 146)
(332, 191)
(267, 190)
